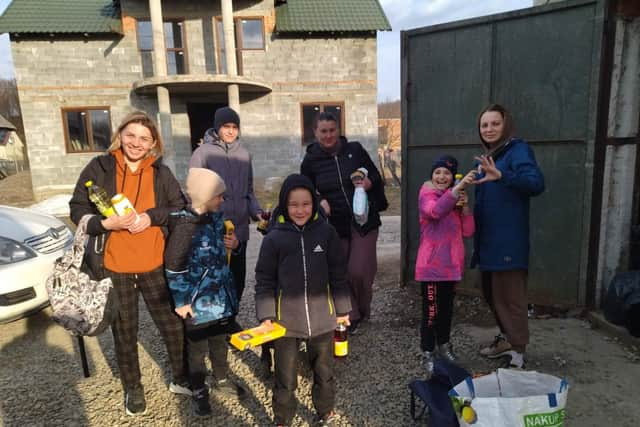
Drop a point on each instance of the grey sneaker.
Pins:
(446, 352)
(180, 387)
(134, 402)
(228, 388)
(498, 348)
(429, 358)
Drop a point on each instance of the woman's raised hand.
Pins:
(116, 222)
(488, 166)
(140, 224)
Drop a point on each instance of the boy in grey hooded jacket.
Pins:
(223, 154)
(301, 283)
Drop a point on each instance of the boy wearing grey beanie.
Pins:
(222, 153)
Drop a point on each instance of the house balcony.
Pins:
(206, 84)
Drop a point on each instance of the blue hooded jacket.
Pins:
(196, 267)
(501, 210)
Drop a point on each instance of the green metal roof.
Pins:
(62, 16)
(296, 16)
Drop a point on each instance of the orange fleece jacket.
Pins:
(142, 252)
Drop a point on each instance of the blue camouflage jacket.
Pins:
(196, 266)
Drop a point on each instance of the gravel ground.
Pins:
(41, 381)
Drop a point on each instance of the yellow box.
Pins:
(254, 337)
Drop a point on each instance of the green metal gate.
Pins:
(543, 64)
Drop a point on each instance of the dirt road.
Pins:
(41, 381)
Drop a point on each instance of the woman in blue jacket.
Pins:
(509, 175)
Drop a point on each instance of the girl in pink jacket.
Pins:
(440, 260)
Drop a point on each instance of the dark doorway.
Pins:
(200, 119)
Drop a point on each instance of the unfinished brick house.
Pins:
(81, 65)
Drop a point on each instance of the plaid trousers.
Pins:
(155, 292)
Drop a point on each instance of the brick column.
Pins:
(233, 91)
(160, 70)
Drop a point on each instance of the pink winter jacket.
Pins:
(441, 252)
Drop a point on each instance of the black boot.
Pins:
(201, 405)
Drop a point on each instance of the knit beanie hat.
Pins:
(445, 162)
(203, 185)
(225, 115)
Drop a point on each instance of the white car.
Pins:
(30, 243)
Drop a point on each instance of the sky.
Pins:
(6, 64)
(402, 14)
(410, 14)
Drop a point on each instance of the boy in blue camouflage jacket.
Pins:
(201, 283)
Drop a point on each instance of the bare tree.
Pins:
(389, 110)
(10, 105)
(389, 137)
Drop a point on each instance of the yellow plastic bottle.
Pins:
(100, 198)
(122, 205)
(458, 178)
(229, 229)
(264, 222)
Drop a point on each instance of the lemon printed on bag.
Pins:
(469, 415)
(463, 409)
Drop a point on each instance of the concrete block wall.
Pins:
(299, 71)
(56, 73)
(307, 71)
(181, 138)
(60, 73)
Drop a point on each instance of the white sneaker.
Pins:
(180, 388)
(517, 360)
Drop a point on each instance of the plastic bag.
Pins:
(510, 398)
(360, 198)
(360, 206)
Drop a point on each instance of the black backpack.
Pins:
(622, 304)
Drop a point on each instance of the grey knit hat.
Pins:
(225, 115)
(203, 185)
